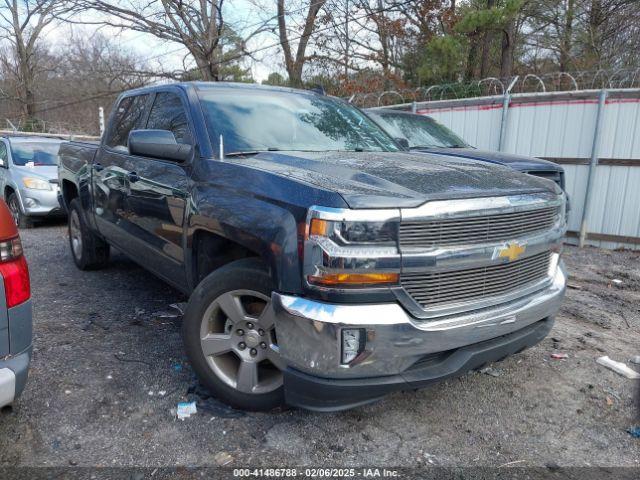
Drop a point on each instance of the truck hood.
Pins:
(517, 162)
(399, 179)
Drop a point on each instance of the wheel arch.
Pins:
(274, 244)
(210, 251)
(8, 190)
(69, 192)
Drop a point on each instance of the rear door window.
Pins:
(168, 113)
(128, 116)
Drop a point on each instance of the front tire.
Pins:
(89, 251)
(229, 336)
(22, 221)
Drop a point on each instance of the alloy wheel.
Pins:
(237, 337)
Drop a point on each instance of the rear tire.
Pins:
(89, 251)
(230, 342)
(22, 221)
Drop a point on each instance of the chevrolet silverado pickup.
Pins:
(325, 266)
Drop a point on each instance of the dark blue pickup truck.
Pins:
(325, 266)
(423, 134)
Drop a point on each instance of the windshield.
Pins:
(259, 120)
(40, 153)
(420, 131)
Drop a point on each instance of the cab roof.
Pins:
(32, 139)
(200, 85)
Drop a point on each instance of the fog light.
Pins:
(30, 202)
(353, 340)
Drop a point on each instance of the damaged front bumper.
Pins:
(400, 351)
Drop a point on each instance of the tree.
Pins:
(21, 25)
(75, 79)
(197, 24)
(572, 35)
(388, 31)
(487, 38)
(294, 63)
(479, 22)
(443, 60)
(275, 79)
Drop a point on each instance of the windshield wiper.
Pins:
(251, 152)
(455, 145)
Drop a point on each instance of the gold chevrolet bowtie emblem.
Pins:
(512, 251)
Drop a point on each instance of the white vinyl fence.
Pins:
(587, 131)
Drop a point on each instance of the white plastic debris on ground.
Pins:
(223, 458)
(618, 367)
(186, 409)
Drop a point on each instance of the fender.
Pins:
(257, 210)
(76, 161)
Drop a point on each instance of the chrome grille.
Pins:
(477, 229)
(456, 286)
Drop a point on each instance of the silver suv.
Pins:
(29, 177)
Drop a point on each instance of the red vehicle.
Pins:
(15, 311)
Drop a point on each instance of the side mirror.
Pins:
(158, 144)
(403, 142)
(3, 163)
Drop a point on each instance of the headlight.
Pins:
(351, 248)
(36, 183)
(346, 232)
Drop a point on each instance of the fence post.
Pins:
(593, 163)
(101, 120)
(506, 99)
(414, 107)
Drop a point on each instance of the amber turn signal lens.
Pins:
(319, 227)
(355, 279)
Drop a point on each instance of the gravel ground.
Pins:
(108, 369)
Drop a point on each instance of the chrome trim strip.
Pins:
(479, 255)
(463, 208)
(349, 215)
